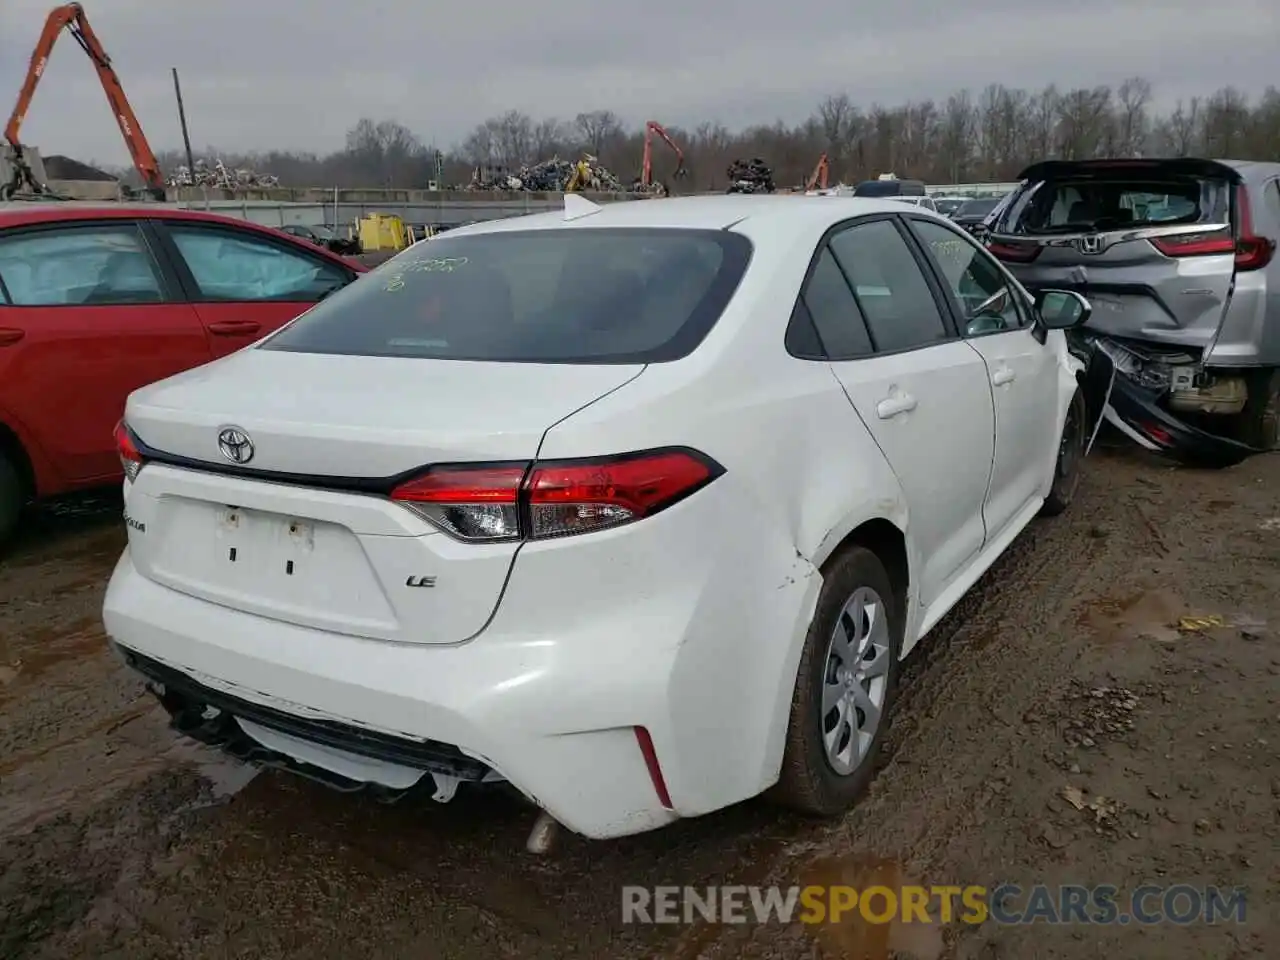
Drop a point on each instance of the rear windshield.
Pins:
(1070, 206)
(577, 295)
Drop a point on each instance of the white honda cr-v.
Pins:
(635, 508)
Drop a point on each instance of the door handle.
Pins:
(1003, 376)
(894, 405)
(9, 336)
(234, 328)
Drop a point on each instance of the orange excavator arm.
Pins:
(71, 17)
(646, 167)
(818, 179)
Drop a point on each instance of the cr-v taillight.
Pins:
(497, 502)
(130, 459)
(1251, 251)
(1013, 252)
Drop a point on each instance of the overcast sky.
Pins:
(298, 73)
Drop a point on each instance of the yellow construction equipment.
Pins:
(381, 231)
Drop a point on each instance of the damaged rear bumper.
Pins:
(1135, 410)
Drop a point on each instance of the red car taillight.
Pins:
(492, 503)
(1013, 252)
(1252, 252)
(130, 459)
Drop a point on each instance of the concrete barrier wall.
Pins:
(341, 207)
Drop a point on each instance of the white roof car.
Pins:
(634, 507)
(926, 202)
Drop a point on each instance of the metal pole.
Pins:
(182, 119)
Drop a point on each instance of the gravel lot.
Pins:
(1061, 682)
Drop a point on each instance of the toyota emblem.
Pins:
(235, 445)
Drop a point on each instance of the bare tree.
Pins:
(837, 116)
(1225, 122)
(992, 136)
(1132, 122)
(598, 128)
(1084, 117)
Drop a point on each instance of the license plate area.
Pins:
(271, 546)
(297, 569)
(266, 545)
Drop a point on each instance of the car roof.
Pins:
(24, 212)
(709, 212)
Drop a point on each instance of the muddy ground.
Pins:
(1062, 682)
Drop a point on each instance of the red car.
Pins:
(96, 301)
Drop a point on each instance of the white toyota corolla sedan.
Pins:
(635, 508)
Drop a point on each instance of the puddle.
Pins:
(1164, 617)
(225, 775)
(89, 767)
(855, 937)
(1150, 613)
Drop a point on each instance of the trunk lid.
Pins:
(1107, 229)
(304, 532)
(366, 417)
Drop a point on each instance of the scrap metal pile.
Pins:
(750, 176)
(220, 177)
(551, 176)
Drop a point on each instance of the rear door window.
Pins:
(889, 286)
(573, 295)
(828, 303)
(235, 265)
(81, 265)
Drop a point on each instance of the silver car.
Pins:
(1177, 258)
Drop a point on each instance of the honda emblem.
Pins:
(1089, 245)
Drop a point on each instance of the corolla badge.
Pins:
(235, 445)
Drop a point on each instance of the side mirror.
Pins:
(1062, 309)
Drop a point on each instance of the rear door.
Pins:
(1149, 243)
(995, 319)
(920, 390)
(87, 315)
(244, 284)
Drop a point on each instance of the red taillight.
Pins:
(130, 459)
(1013, 252)
(471, 502)
(571, 497)
(553, 498)
(1251, 252)
(1193, 245)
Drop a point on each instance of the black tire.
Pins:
(1258, 424)
(1070, 459)
(809, 783)
(12, 498)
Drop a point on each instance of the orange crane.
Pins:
(646, 166)
(818, 179)
(71, 17)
